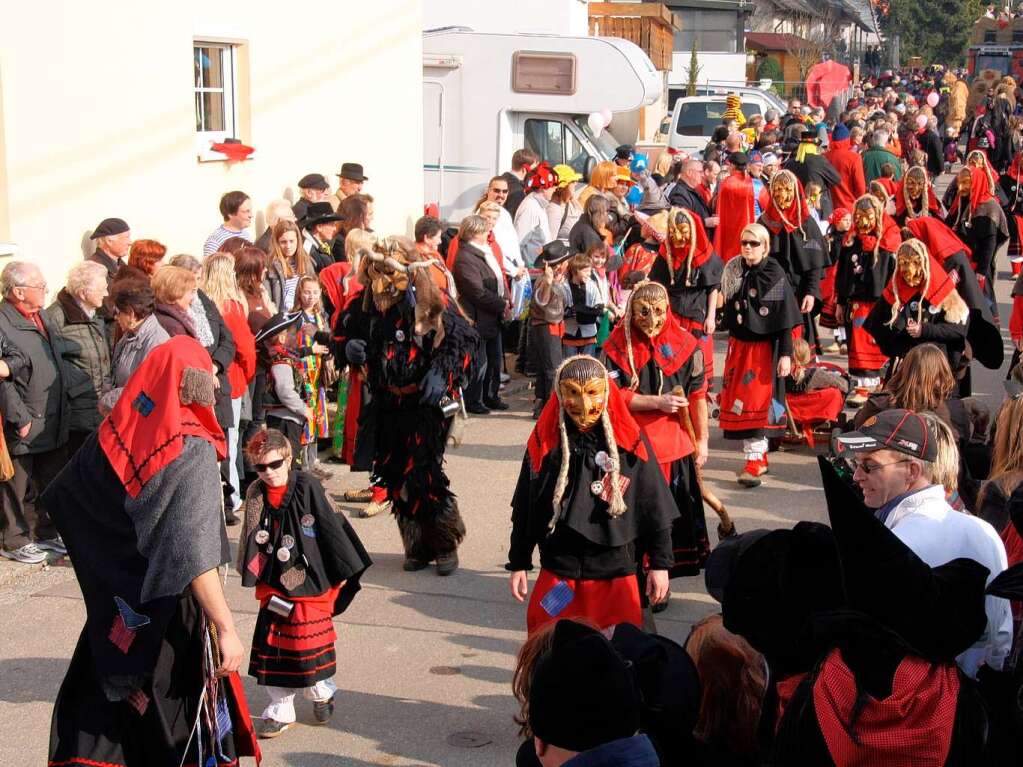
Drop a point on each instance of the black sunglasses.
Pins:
(499, 191)
(751, 243)
(273, 465)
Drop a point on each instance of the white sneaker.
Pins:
(56, 545)
(29, 554)
(505, 378)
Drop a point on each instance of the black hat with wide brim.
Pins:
(278, 324)
(319, 213)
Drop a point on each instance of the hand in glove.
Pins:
(355, 351)
(433, 387)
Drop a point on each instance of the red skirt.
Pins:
(753, 397)
(828, 302)
(297, 651)
(814, 407)
(706, 342)
(352, 410)
(865, 357)
(606, 603)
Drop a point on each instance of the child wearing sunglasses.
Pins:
(305, 562)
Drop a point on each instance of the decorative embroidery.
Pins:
(667, 352)
(292, 578)
(737, 407)
(143, 404)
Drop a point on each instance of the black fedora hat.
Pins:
(318, 213)
(353, 172)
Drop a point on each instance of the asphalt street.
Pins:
(424, 662)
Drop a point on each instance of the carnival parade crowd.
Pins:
(160, 399)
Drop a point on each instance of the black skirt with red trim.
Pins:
(753, 397)
(689, 541)
(297, 651)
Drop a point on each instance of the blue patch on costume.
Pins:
(858, 322)
(132, 620)
(777, 411)
(309, 532)
(557, 599)
(667, 352)
(747, 379)
(143, 404)
(224, 725)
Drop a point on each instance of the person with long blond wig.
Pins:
(219, 281)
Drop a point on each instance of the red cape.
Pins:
(900, 199)
(546, 437)
(670, 350)
(939, 238)
(146, 430)
(980, 188)
(891, 236)
(735, 209)
(1015, 171)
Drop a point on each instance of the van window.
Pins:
(554, 142)
(700, 118)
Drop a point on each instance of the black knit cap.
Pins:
(582, 694)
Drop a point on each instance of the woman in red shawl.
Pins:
(798, 245)
(979, 221)
(865, 265)
(691, 271)
(910, 193)
(1012, 186)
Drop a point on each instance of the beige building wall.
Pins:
(97, 115)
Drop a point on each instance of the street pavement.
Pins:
(424, 663)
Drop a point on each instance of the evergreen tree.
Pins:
(694, 71)
(935, 30)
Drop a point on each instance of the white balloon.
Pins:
(596, 123)
(606, 115)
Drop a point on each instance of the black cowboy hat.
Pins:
(318, 213)
(277, 324)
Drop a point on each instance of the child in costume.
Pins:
(305, 562)
(660, 368)
(760, 312)
(312, 363)
(592, 497)
(583, 307)
(814, 395)
(547, 319)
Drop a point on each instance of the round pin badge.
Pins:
(763, 311)
(307, 520)
(601, 459)
(738, 318)
(752, 292)
(288, 541)
(596, 487)
(262, 536)
(933, 309)
(283, 554)
(399, 335)
(738, 304)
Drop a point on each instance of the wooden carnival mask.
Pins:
(681, 231)
(649, 309)
(915, 185)
(583, 401)
(783, 191)
(865, 219)
(911, 266)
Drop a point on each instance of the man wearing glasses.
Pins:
(893, 455)
(36, 416)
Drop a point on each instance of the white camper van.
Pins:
(487, 95)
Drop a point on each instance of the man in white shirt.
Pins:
(531, 224)
(892, 453)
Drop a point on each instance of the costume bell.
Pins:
(593, 498)
(139, 507)
(417, 352)
(865, 265)
(798, 245)
(691, 271)
(305, 562)
(657, 363)
(760, 312)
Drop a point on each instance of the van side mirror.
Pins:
(591, 163)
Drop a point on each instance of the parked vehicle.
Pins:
(694, 119)
(487, 95)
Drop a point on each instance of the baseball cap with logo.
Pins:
(901, 430)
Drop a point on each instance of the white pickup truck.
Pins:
(694, 118)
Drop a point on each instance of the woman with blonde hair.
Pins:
(218, 280)
(1003, 485)
(288, 261)
(760, 311)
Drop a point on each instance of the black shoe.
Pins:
(496, 404)
(230, 518)
(659, 607)
(477, 409)
(414, 565)
(323, 710)
(270, 728)
(447, 564)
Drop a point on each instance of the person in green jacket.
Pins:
(876, 156)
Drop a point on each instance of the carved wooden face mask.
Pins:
(911, 267)
(681, 233)
(914, 186)
(583, 401)
(783, 193)
(866, 220)
(965, 184)
(649, 314)
(387, 284)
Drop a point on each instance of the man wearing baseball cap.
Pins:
(892, 454)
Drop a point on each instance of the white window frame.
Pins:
(230, 68)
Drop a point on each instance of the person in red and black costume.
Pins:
(865, 265)
(760, 312)
(799, 246)
(860, 638)
(305, 562)
(592, 496)
(910, 194)
(660, 368)
(139, 507)
(691, 271)
(1012, 186)
(979, 221)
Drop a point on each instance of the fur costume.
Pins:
(416, 352)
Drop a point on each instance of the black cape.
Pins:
(689, 301)
(758, 300)
(802, 258)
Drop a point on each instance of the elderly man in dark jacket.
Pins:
(76, 316)
(36, 415)
(685, 194)
(483, 295)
